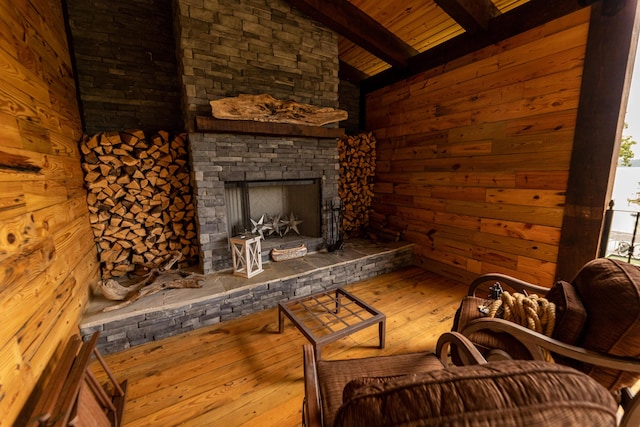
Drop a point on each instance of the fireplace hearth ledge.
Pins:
(224, 296)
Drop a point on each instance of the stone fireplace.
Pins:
(227, 160)
(253, 47)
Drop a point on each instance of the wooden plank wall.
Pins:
(473, 156)
(47, 256)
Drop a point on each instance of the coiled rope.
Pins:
(530, 311)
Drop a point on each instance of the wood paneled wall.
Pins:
(47, 256)
(473, 156)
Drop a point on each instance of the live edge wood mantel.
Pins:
(213, 125)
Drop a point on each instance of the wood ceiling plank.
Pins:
(349, 21)
(439, 32)
(420, 25)
(398, 17)
(530, 15)
(506, 5)
(359, 58)
(413, 21)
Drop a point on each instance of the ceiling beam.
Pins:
(351, 74)
(523, 18)
(472, 15)
(349, 21)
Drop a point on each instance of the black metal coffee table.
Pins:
(328, 316)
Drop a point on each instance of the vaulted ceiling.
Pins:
(381, 41)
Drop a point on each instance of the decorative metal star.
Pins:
(276, 225)
(293, 223)
(259, 227)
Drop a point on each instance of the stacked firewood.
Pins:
(140, 200)
(357, 154)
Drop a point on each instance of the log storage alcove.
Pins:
(357, 154)
(140, 200)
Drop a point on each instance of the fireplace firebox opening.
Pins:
(274, 209)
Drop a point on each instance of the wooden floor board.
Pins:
(244, 373)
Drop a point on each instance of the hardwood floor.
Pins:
(244, 373)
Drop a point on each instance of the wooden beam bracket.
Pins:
(472, 15)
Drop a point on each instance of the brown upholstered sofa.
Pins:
(422, 389)
(597, 325)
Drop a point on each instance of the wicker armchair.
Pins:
(597, 325)
(422, 389)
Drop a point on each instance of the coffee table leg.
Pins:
(381, 331)
(280, 320)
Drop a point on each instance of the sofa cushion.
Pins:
(506, 393)
(333, 375)
(354, 385)
(571, 315)
(610, 292)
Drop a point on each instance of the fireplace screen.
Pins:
(274, 209)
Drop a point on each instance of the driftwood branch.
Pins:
(156, 280)
(265, 108)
